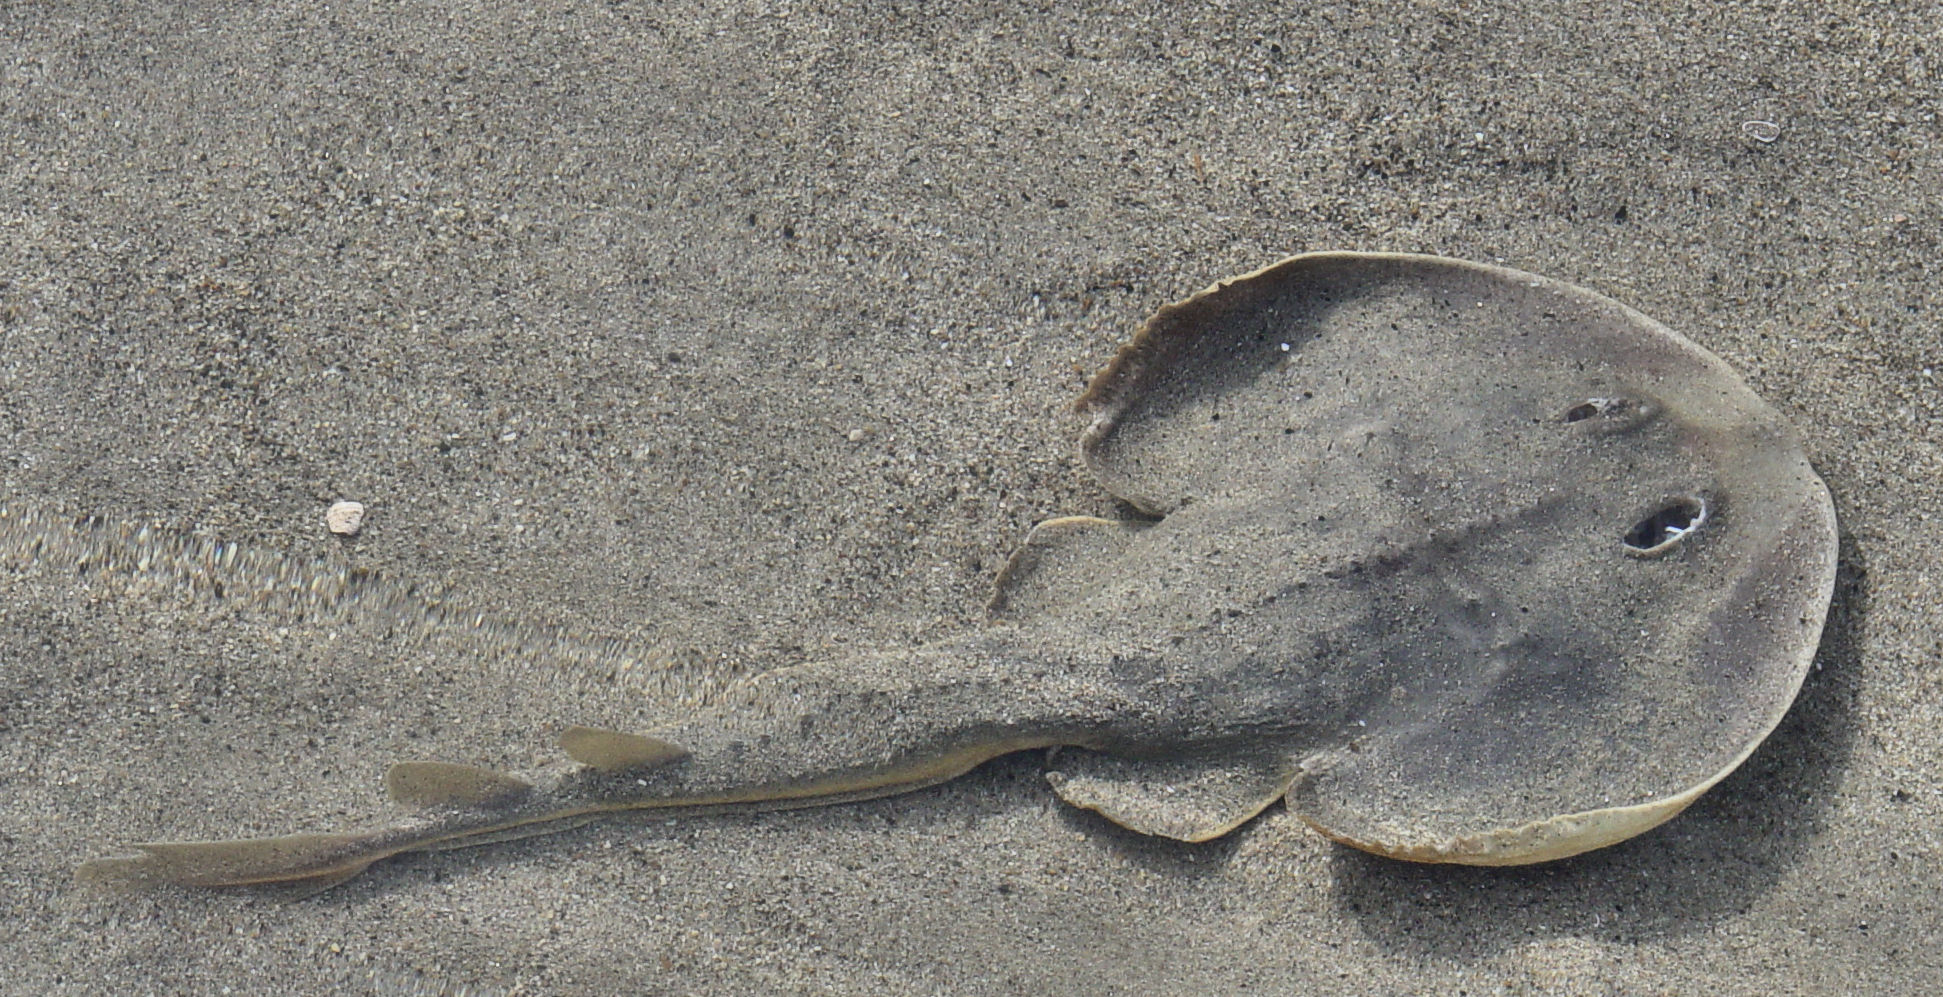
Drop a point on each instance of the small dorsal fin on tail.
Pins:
(618, 751)
(444, 784)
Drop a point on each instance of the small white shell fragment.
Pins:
(344, 518)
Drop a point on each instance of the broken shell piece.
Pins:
(344, 518)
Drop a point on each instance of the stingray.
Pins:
(1465, 564)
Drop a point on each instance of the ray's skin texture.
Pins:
(1469, 565)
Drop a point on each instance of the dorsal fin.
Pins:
(1188, 799)
(444, 784)
(618, 751)
(1060, 560)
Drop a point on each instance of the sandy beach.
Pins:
(667, 344)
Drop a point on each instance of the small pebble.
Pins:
(344, 518)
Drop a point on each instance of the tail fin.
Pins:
(316, 860)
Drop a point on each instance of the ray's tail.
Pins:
(459, 806)
(802, 736)
(315, 860)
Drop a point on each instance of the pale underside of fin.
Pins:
(1188, 799)
(618, 751)
(1060, 562)
(443, 784)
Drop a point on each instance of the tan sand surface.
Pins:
(667, 343)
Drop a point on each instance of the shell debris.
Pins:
(345, 518)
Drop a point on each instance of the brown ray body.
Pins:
(1466, 564)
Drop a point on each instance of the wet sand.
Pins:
(668, 346)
